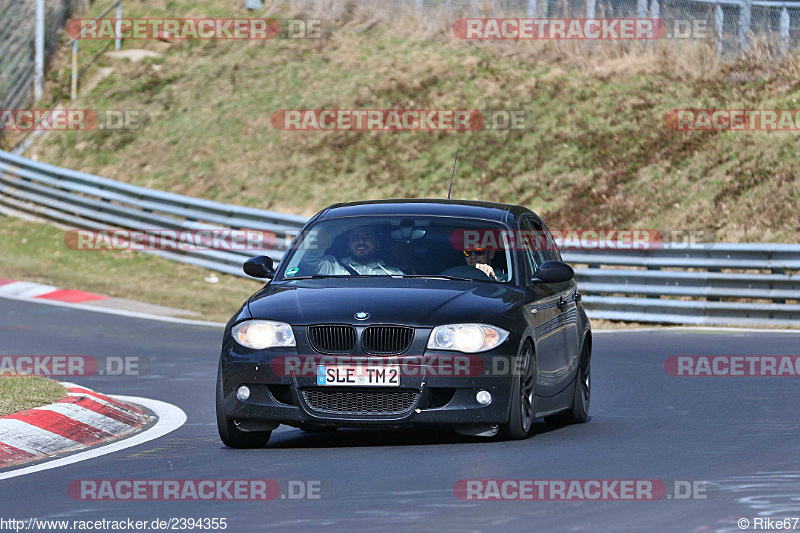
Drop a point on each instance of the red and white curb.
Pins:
(27, 289)
(81, 419)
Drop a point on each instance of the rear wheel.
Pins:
(522, 396)
(232, 436)
(579, 412)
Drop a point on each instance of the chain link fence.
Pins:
(17, 45)
(732, 26)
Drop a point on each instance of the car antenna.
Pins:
(453, 174)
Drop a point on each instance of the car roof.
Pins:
(461, 208)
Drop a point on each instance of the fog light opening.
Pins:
(484, 397)
(243, 393)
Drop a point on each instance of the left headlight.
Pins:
(261, 334)
(469, 338)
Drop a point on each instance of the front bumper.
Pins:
(442, 393)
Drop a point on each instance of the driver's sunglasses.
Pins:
(468, 253)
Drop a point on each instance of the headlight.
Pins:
(260, 334)
(469, 338)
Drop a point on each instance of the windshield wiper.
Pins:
(311, 276)
(434, 276)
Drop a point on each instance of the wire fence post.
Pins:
(784, 44)
(655, 10)
(591, 9)
(641, 13)
(118, 29)
(719, 19)
(74, 81)
(745, 11)
(39, 45)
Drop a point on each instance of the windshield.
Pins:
(408, 246)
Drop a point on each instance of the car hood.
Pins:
(415, 302)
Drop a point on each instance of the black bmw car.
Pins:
(407, 312)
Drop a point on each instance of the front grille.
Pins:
(385, 340)
(339, 402)
(332, 339)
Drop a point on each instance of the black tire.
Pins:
(231, 436)
(523, 391)
(578, 413)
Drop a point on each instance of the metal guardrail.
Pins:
(83, 200)
(730, 284)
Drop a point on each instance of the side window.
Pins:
(531, 244)
(549, 248)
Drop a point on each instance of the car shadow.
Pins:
(359, 438)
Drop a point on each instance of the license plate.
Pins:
(358, 375)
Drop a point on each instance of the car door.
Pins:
(543, 315)
(568, 319)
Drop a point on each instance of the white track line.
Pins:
(696, 328)
(120, 312)
(170, 418)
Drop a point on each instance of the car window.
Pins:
(548, 246)
(532, 246)
(414, 245)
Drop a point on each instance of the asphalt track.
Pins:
(741, 433)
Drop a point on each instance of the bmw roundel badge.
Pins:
(361, 315)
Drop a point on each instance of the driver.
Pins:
(363, 247)
(481, 259)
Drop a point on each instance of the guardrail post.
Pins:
(784, 31)
(719, 18)
(74, 81)
(39, 61)
(745, 12)
(118, 29)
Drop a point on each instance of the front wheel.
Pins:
(232, 436)
(522, 393)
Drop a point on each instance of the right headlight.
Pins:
(262, 334)
(468, 338)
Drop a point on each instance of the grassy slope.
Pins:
(18, 393)
(598, 155)
(36, 252)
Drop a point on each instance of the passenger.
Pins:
(363, 247)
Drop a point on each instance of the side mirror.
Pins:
(259, 267)
(553, 272)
